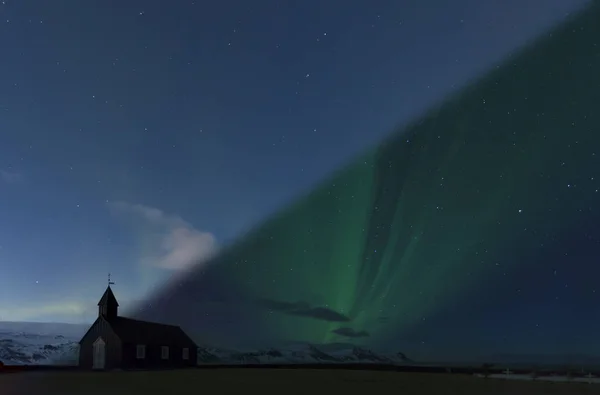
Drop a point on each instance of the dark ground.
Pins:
(273, 381)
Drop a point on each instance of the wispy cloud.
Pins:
(71, 310)
(170, 242)
(349, 332)
(303, 309)
(10, 176)
(41, 311)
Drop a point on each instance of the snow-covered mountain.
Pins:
(24, 343)
(298, 354)
(47, 344)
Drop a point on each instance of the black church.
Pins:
(114, 342)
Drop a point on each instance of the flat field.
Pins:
(274, 381)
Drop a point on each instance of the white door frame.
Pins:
(99, 354)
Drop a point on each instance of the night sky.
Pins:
(473, 232)
(138, 138)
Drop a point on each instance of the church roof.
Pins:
(149, 333)
(140, 332)
(108, 298)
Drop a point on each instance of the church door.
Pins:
(99, 354)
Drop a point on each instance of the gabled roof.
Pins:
(108, 298)
(149, 333)
(90, 328)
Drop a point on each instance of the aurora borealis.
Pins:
(474, 229)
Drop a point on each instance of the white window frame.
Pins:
(140, 351)
(164, 352)
(185, 353)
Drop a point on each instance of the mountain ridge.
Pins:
(33, 344)
(27, 343)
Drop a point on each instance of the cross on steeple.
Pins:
(110, 282)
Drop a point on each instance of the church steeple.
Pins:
(108, 306)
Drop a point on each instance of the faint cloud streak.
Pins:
(303, 309)
(32, 313)
(10, 176)
(170, 242)
(70, 310)
(349, 332)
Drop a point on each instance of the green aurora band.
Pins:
(421, 222)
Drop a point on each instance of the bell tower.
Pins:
(108, 307)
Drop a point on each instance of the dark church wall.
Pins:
(193, 361)
(153, 358)
(100, 328)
